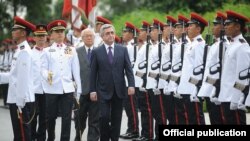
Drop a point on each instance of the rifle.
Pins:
(243, 88)
(167, 66)
(135, 47)
(201, 67)
(144, 64)
(20, 117)
(180, 64)
(157, 64)
(217, 82)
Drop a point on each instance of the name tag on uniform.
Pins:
(52, 50)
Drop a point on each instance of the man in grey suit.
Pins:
(88, 109)
(109, 64)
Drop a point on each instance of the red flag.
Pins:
(67, 6)
(87, 6)
(74, 9)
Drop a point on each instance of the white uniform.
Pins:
(74, 40)
(21, 88)
(207, 89)
(130, 48)
(152, 58)
(141, 57)
(192, 58)
(37, 54)
(176, 63)
(237, 57)
(247, 103)
(64, 67)
(165, 58)
(98, 40)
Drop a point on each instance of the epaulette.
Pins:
(199, 39)
(22, 47)
(242, 40)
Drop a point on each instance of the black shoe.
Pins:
(141, 138)
(129, 135)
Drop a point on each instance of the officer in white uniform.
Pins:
(38, 127)
(236, 59)
(175, 74)
(193, 58)
(169, 41)
(60, 68)
(74, 36)
(5, 66)
(99, 22)
(21, 90)
(154, 66)
(140, 83)
(208, 90)
(130, 102)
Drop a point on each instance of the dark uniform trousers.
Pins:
(131, 109)
(65, 101)
(181, 110)
(215, 112)
(194, 111)
(4, 88)
(233, 117)
(170, 108)
(40, 113)
(158, 111)
(16, 123)
(144, 105)
(88, 109)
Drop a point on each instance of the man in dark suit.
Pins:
(88, 109)
(109, 64)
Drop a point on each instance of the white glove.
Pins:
(20, 102)
(156, 91)
(241, 100)
(77, 97)
(165, 91)
(142, 89)
(242, 107)
(215, 100)
(194, 98)
(19, 109)
(177, 95)
(233, 106)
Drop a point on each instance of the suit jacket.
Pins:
(84, 69)
(108, 78)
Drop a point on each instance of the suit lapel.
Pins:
(83, 55)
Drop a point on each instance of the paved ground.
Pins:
(7, 135)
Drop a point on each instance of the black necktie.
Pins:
(89, 54)
(110, 55)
